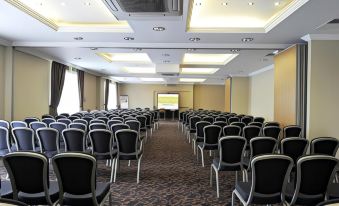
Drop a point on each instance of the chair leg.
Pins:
(210, 153)
(202, 157)
(194, 146)
(138, 174)
(233, 198)
(211, 176)
(129, 163)
(112, 170)
(217, 182)
(110, 199)
(115, 170)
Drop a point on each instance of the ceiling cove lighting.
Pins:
(208, 59)
(141, 58)
(199, 70)
(191, 80)
(140, 70)
(144, 79)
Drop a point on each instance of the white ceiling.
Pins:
(30, 35)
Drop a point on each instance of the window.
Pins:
(112, 96)
(69, 101)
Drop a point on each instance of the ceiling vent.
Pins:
(136, 9)
(169, 74)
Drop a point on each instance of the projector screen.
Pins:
(168, 101)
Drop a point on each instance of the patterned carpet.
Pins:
(170, 174)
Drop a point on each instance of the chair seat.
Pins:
(39, 198)
(302, 199)
(244, 189)
(86, 200)
(225, 167)
(130, 156)
(207, 147)
(6, 190)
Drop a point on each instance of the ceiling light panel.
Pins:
(144, 79)
(199, 70)
(141, 58)
(208, 59)
(73, 16)
(191, 80)
(140, 70)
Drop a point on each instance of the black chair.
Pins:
(221, 119)
(117, 127)
(208, 119)
(93, 126)
(250, 132)
(87, 119)
(192, 126)
(36, 125)
(211, 140)
(78, 126)
(29, 175)
(135, 125)
(74, 139)
(149, 122)
(48, 141)
(231, 150)
(60, 127)
(5, 144)
(15, 124)
(221, 124)
(29, 120)
(142, 120)
(246, 120)
(231, 130)
(4, 123)
(271, 131)
(111, 122)
(60, 117)
(314, 172)
(47, 116)
(269, 178)
(324, 145)
(275, 124)
(102, 146)
(258, 124)
(105, 119)
(199, 136)
(129, 148)
(24, 139)
(72, 118)
(233, 119)
(64, 114)
(65, 121)
(82, 121)
(76, 174)
(259, 119)
(292, 131)
(48, 121)
(118, 118)
(239, 124)
(294, 147)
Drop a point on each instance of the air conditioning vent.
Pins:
(169, 74)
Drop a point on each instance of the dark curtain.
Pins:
(81, 88)
(106, 92)
(118, 95)
(58, 72)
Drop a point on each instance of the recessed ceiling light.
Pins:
(79, 38)
(199, 70)
(159, 28)
(194, 39)
(224, 4)
(151, 79)
(77, 58)
(87, 3)
(140, 70)
(94, 48)
(198, 4)
(247, 39)
(235, 50)
(166, 55)
(63, 4)
(129, 38)
(251, 3)
(191, 80)
(276, 3)
(208, 59)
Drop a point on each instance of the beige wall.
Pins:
(90, 92)
(211, 97)
(261, 95)
(100, 96)
(240, 95)
(323, 84)
(2, 81)
(31, 86)
(144, 95)
(228, 83)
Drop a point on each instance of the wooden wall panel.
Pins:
(228, 95)
(285, 90)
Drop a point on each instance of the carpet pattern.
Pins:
(170, 174)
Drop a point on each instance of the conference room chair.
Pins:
(46, 116)
(271, 131)
(5, 142)
(117, 127)
(135, 125)
(60, 127)
(65, 121)
(221, 124)
(156, 119)
(24, 139)
(60, 117)
(105, 119)
(239, 124)
(36, 125)
(118, 118)
(250, 132)
(48, 121)
(29, 120)
(324, 145)
(231, 130)
(78, 126)
(78, 185)
(199, 136)
(82, 121)
(181, 118)
(208, 119)
(275, 124)
(9, 202)
(102, 146)
(129, 118)
(93, 126)
(72, 118)
(221, 119)
(4, 123)
(210, 143)
(129, 147)
(259, 119)
(15, 124)
(74, 139)
(192, 126)
(97, 121)
(48, 141)
(111, 122)
(64, 114)
(294, 147)
(29, 175)
(314, 173)
(332, 202)
(87, 119)
(247, 119)
(292, 131)
(269, 178)
(258, 124)
(231, 150)
(149, 123)
(143, 129)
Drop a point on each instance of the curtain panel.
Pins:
(81, 76)
(106, 92)
(58, 72)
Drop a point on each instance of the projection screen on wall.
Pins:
(168, 101)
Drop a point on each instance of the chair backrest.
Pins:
(118, 118)
(97, 121)
(269, 177)
(64, 120)
(47, 116)
(48, 121)
(134, 125)
(93, 126)
(15, 124)
(267, 124)
(258, 124)
(259, 119)
(148, 119)
(292, 131)
(271, 131)
(74, 140)
(48, 139)
(29, 120)
(87, 119)
(250, 132)
(212, 134)
(105, 119)
(36, 125)
(4, 123)
(294, 147)
(221, 119)
(239, 124)
(200, 127)
(23, 138)
(78, 126)
(232, 130)
(127, 142)
(64, 114)
(193, 121)
(314, 172)
(208, 119)
(221, 124)
(76, 174)
(4, 139)
(72, 118)
(231, 151)
(324, 145)
(233, 119)
(28, 172)
(142, 120)
(101, 141)
(58, 126)
(262, 145)
(117, 127)
(111, 122)
(82, 121)
(246, 120)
